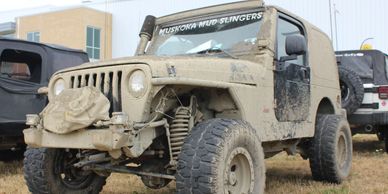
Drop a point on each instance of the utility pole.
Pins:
(331, 21)
(336, 27)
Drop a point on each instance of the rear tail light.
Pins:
(383, 92)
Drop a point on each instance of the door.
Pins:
(20, 78)
(292, 77)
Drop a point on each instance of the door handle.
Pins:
(304, 74)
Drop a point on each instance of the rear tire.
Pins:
(386, 141)
(221, 156)
(352, 89)
(380, 135)
(331, 149)
(47, 171)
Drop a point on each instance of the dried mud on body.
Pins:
(285, 174)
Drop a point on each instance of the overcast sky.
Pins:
(7, 5)
(357, 20)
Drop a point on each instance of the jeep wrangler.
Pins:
(24, 68)
(210, 94)
(364, 88)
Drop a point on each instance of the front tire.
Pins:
(331, 149)
(48, 170)
(221, 156)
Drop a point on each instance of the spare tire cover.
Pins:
(352, 89)
(75, 109)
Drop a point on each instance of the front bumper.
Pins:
(99, 139)
(113, 136)
(380, 118)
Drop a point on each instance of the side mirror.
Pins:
(296, 45)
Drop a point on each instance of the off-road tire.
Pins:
(9, 155)
(380, 135)
(352, 89)
(207, 162)
(42, 176)
(331, 149)
(386, 141)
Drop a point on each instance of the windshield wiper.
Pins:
(216, 50)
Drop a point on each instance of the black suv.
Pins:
(364, 90)
(24, 68)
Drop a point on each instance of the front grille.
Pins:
(109, 83)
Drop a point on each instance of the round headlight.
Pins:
(59, 86)
(137, 83)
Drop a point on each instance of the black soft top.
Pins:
(53, 46)
(54, 57)
(370, 65)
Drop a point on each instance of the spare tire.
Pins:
(352, 89)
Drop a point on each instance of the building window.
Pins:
(93, 42)
(33, 36)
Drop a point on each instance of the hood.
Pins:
(194, 67)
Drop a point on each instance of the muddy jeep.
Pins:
(211, 93)
(24, 68)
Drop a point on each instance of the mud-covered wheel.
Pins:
(51, 171)
(221, 156)
(331, 149)
(352, 89)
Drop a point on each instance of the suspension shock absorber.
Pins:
(181, 126)
(179, 129)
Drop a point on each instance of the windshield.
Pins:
(232, 33)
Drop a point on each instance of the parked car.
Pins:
(210, 94)
(364, 90)
(24, 68)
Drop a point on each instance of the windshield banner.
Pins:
(211, 22)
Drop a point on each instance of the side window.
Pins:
(15, 70)
(20, 65)
(284, 29)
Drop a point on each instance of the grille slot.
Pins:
(109, 83)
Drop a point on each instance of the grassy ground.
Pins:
(285, 174)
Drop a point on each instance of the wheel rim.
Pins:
(239, 174)
(345, 91)
(70, 176)
(342, 149)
